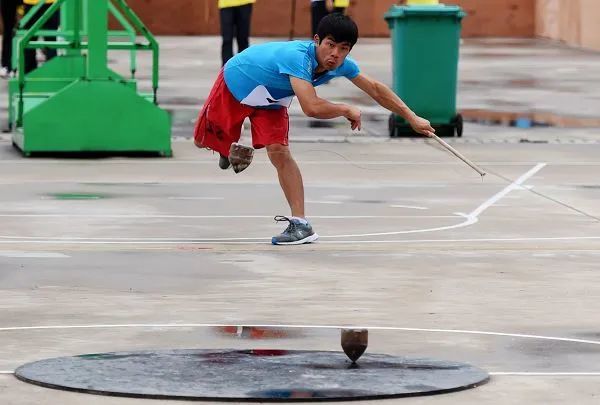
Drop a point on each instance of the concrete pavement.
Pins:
(130, 254)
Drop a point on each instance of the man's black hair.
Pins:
(339, 27)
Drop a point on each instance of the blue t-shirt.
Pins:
(260, 75)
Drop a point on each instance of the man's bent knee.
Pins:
(279, 154)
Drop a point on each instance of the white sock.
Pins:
(301, 220)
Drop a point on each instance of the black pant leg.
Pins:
(52, 24)
(30, 61)
(8, 9)
(227, 25)
(242, 26)
(318, 10)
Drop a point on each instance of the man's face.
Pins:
(331, 54)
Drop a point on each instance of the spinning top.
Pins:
(240, 156)
(355, 342)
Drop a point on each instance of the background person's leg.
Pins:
(30, 60)
(52, 24)
(242, 25)
(227, 26)
(8, 9)
(318, 10)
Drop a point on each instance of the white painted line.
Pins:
(32, 255)
(322, 202)
(409, 206)
(550, 374)
(284, 326)
(530, 239)
(150, 216)
(338, 197)
(112, 241)
(303, 162)
(470, 219)
(513, 186)
(196, 198)
(6, 372)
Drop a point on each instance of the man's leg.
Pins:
(270, 129)
(219, 123)
(227, 21)
(299, 230)
(242, 26)
(30, 59)
(8, 9)
(318, 11)
(290, 177)
(53, 23)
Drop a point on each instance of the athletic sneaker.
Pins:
(296, 233)
(224, 162)
(4, 72)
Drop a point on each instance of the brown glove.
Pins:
(240, 156)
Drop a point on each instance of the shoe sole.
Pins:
(224, 166)
(308, 239)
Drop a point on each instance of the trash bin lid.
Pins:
(424, 11)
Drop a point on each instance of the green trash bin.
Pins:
(425, 43)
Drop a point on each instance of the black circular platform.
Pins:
(251, 375)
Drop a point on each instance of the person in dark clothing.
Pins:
(318, 10)
(235, 21)
(52, 24)
(8, 9)
(322, 8)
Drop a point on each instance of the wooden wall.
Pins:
(575, 22)
(273, 17)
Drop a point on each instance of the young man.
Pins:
(260, 83)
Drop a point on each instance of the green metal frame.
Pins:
(71, 29)
(59, 94)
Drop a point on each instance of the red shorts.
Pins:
(220, 122)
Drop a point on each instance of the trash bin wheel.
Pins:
(458, 124)
(392, 126)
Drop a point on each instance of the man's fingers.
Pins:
(356, 125)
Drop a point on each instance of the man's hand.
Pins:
(353, 115)
(386, 98)
(422, 126)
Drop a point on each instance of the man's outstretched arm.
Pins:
(316, 107)
(386, 98)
